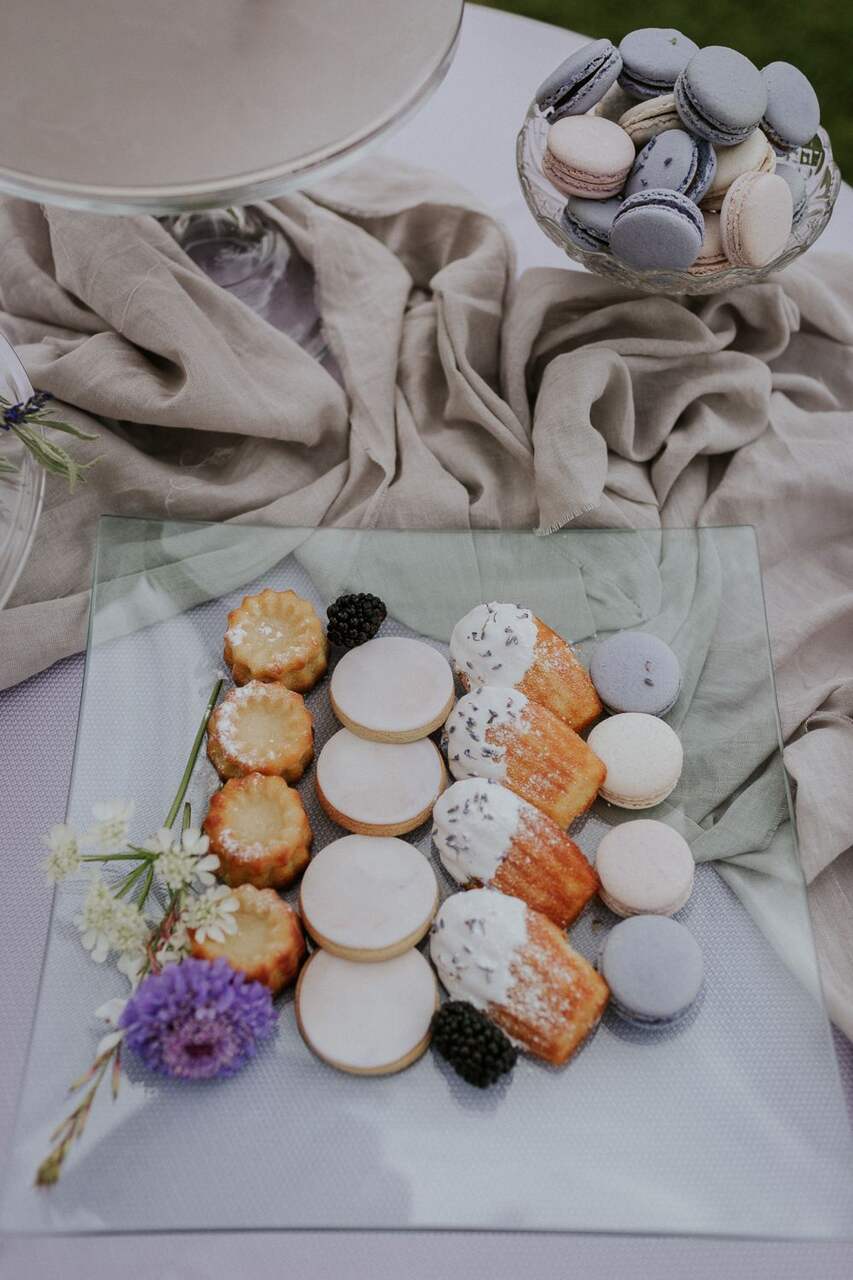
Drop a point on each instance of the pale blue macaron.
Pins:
(676, 161)
(587, 223)
(579, 82)
(721, 96)
(792, 115)
(636, 671)
(654, 968)
(653, 59)
(797, 186)
(658, 230)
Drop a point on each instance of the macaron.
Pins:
(614, 104)
(651, 117)
(653, 59)
(675, 161)
(753, 155)
(643, 757)
(720, 95)
(654, 968)
(792, 115)
(579, 82)
(756, 219)
(635, 671)
(797, 186)
(587, 156)
(587, 223)
(711, 257)
(645, 868)
(657, 230)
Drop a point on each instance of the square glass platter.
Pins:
(732, 1123)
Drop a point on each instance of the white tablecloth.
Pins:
(467, 130)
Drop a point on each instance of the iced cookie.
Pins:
(392, 689)
(487, 835)
(261, 728)
(378, 788)
(367, 1019)
(507, 645)
(515, 965)
(259, 830)
(368, 898)
(276, 636)
(501, 734)
(268, 944)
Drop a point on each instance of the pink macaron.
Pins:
(588, 156)
(756, 219)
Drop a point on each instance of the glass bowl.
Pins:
(21, 490)
(815, 162)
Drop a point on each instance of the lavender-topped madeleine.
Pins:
(500, 733)
(517, 966)
(505, 644)
(487, 835)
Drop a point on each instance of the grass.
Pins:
(817, 36)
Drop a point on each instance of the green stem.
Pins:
(196, 747)
(146, 886)
(132, 877)
(144, 855)
(187, 818)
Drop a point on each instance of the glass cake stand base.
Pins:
(250, 257)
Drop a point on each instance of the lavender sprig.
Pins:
(27, 419)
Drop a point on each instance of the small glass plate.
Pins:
(815, 162)
(731, 1123)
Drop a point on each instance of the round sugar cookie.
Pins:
(367, 1019)
(368, 898)
(392, 689)
(378, 788)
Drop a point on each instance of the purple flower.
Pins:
(197, 1019)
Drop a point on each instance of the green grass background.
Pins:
(816, 35)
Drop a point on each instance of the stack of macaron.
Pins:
(674, 157)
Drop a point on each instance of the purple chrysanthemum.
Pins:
(197, 1019)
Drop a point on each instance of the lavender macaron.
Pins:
(653, 59)
(654, 968)
(792, 115)
(721, 96)
(587, 223)
(636, 671)
(796, 185)
(658, 230)
(675, 161)
(579, 82)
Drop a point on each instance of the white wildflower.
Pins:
(131, 963)
(211, 914)
(128, 928)
(109, 831)
(64, 857)
(160, 842)
(96, 919)
(173, 949)
(110, 1012)
(183, 860)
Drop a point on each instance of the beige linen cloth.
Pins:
(467, 402)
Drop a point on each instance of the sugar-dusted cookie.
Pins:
(276, 636)
(368, 898)
(261, 728)
(367, 1019)
(392, 689)
(259, 830)
(378, 788)
(268, 944)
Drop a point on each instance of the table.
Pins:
(500, 61)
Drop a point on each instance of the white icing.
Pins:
(392, 684)
(470, 752)
(494, 644)
(643, 757)
(475, 822)
(379, 783)
(368, 891)
(366, 1015)
(475, 939)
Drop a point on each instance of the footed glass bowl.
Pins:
(823, 182)
(21, 480)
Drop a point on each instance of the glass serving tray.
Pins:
(731, 1124)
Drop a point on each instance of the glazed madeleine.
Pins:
(507, 645)
(487, 835)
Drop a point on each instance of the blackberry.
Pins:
(354, 619)
(476, 1049)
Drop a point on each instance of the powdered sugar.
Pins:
(470, 727)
